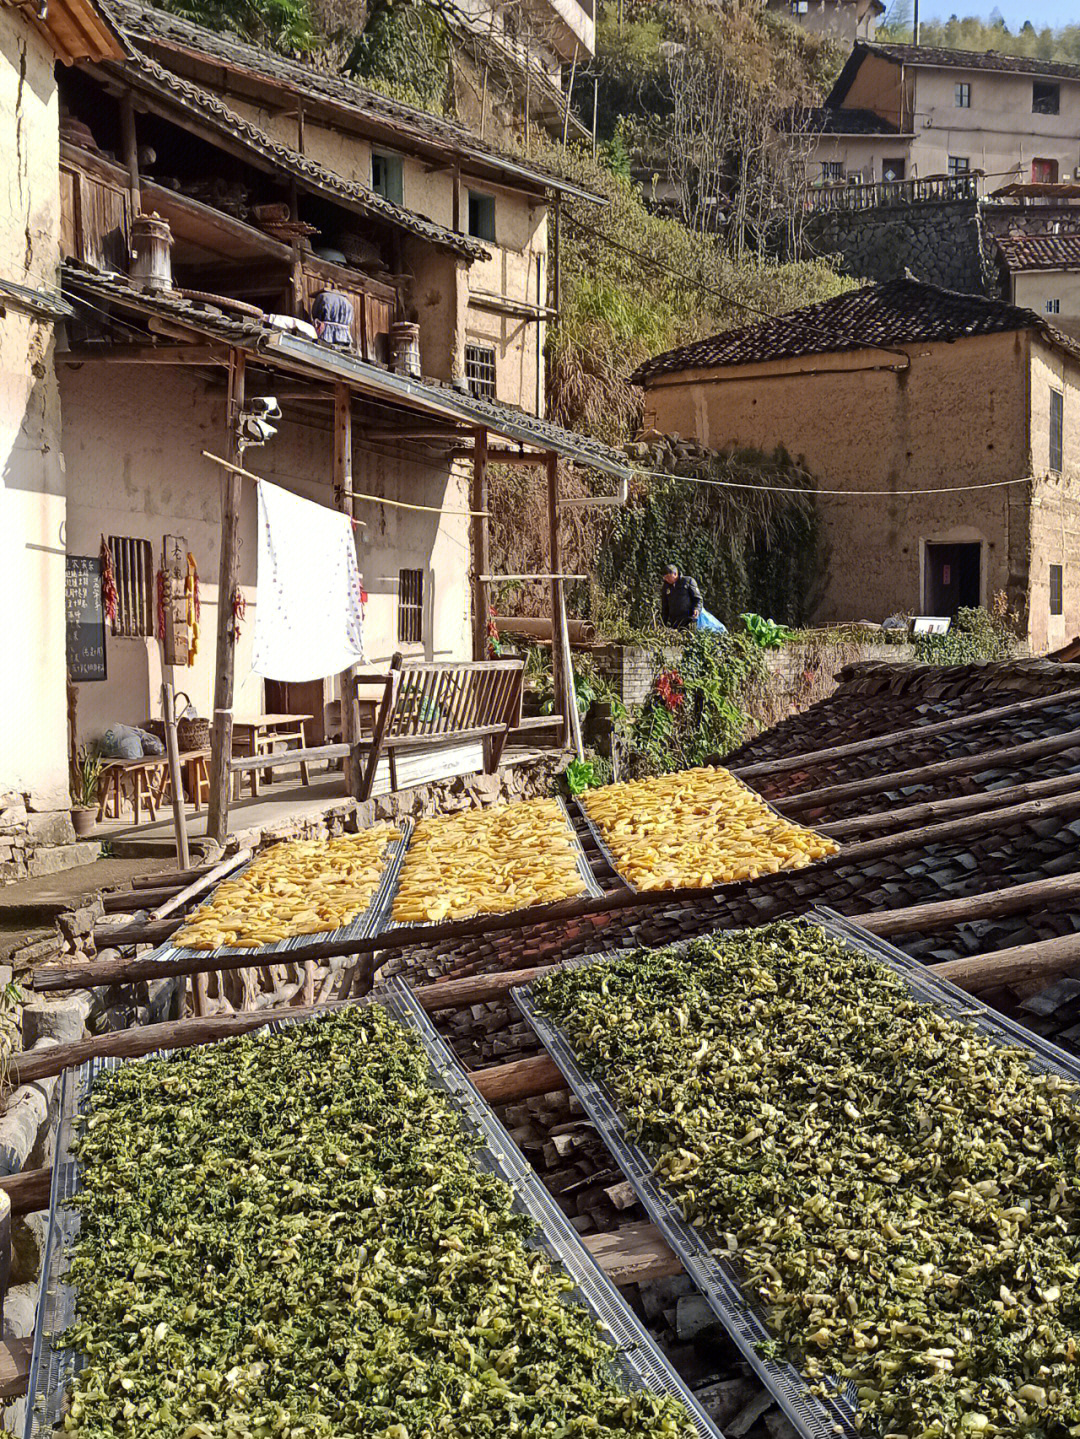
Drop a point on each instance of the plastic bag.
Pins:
(706, 621)
(124, 741)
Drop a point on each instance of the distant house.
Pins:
(838, 19)
(950, 112)
(1042, 272)
(960, 414)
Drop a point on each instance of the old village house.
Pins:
(910, 389)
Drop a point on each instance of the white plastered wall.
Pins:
(33, 743)
(136, 469)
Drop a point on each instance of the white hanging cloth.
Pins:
(308, 616)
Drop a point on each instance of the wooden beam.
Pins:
(217, 820)
(559, 658)
(115, 936)
(124, 901)
(1019, 964)
(478, 502)
(201, 884)
(988, 904)
(288, 756)
(951, 829)
(130, 144)
(980, 801)
(457, 993)
(521, 1079)
(167, 877)
(29, 1191)
(144, 355)
(1005, 757)
(343, 501)
(633, 1254)
(516, 457)
(903, 736)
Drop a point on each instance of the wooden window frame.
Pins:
(136, 605)
(1057, 430)
(410, 618)
(481, 371)
(1057, 589)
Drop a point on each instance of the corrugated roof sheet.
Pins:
(1040, 252)
(258, 337)
(901, 312)
(189, 99)
(169, 32)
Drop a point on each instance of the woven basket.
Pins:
(193, 733)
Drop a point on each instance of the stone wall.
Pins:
(36, 839)
(941, 242)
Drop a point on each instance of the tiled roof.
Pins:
(1040, 252)
(257, 337)
(835, 120)
(901, 312)
(940, 56)
(188, 100)
(166, 32)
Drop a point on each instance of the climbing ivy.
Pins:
(405, 51)
(755, 549)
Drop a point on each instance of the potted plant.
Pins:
(85, 777)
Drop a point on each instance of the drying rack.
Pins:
(703, 1255)
(592, 885)
(365, 923)
(638, 1359)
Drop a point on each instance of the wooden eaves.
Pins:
(76, 29)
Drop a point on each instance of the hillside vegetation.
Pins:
(973, 33)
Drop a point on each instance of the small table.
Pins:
(259, 735)
(150, 784)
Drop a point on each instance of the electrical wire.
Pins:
(811, 491)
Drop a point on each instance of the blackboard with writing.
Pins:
(85, 618)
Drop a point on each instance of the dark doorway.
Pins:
(952, 579)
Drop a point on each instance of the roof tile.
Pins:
(1040, 252)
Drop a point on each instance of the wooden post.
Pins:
(343, 499)
(5, 1250)
(558, 659)
(556, 255)
(217, 820)
(130, 145)
(568, 677)
(480, 532)
(172, 749)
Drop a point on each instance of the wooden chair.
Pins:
(436, 706)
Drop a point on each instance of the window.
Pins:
(832, 170)
(892, 169)
(962, 96)
(1057, 427)
(480, 371)
(1053, 307)
(482, 216)
(1044, 172)
(1055, 589)
(387, 177)
(410, 607)
(800, 7)
(133, 561)
(1045, 98)
(959, 164)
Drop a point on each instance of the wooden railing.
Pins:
(934, 188)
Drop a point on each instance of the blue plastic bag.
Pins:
(706, 621)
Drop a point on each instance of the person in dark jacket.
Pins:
(680, 600)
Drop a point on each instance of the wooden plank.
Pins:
(29, 1191)
(559, 661)
(123, 901)
(201, 884)
(980, 801)
(521, 1079)
(217, 819)
(113, 936)
(1006, 757)
(382, 723)
(478, 501)
(1019, 964)
(903, 736)
(457, 993)
(633, 1254)
(271, 759)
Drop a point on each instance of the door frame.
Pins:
(960, 536)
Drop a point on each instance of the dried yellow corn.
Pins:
(697, 828)
(488, 861)
(305, 886)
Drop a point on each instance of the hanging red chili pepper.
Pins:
(669, 688)
(161, 605)
(110, 598)
(239, 610)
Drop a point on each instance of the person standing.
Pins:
(680, 600)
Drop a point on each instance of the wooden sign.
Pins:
(85, 618)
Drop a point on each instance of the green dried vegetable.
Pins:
(286, 1238)
(900, 1195)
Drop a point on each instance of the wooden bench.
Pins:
(149, 783)
(435, 706)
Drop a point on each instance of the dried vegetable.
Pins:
(286, 1238)
(697, 828)
(303, 886)
(488, 861)
(900, 1195)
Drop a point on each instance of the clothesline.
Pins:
(356, 495)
